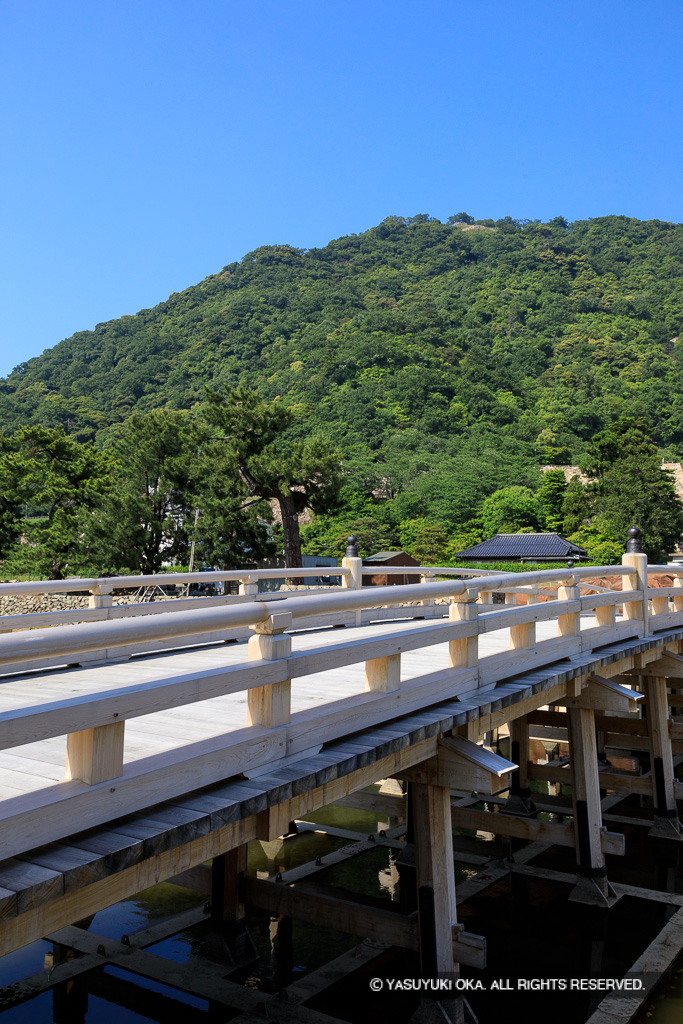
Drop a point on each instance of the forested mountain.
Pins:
(444, 360)
(544, 331)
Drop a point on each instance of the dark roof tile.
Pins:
(524, 545)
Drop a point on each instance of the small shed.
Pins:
(524, 547)
(381, 558)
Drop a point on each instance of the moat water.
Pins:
(532, 932)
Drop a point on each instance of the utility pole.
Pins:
(194, 540)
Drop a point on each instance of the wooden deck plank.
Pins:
(33, 884)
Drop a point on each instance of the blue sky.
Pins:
(147, 143)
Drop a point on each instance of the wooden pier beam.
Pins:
(229, 940)
(592, 885)
(519, 801)
(666, 823)
(435, 876)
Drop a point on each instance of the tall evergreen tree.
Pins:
(550, 498)
(629, 488)
(269, 463)
(64, 481)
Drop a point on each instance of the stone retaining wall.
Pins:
(25, 604)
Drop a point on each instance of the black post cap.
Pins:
(570, 563)
(634, 543)
(351, 547)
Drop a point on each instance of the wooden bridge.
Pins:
(138, 742)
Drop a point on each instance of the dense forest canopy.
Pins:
(546, 332)
(444, 362)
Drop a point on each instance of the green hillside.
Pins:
(445, 361)
(545, 332)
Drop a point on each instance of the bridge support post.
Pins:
(519, 801)
(437, 913)
(666, 824)
(592, 885)
(435, 877)
(229, 940)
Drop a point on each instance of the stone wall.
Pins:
(25, 604)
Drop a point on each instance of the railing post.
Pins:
(569, 624)
(427, 577)
(464, 651)
(678, 601)
(523, 637)
(270, 706)
(96, 755)
(634, 557)
(101, 596)
(354, 579)
(248, 585)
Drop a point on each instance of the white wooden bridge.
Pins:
(139, 741)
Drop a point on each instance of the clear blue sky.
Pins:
(148, 143)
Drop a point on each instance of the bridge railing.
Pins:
(106, 778)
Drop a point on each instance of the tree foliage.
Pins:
(62, 482)
(270, 463)
(444, 362)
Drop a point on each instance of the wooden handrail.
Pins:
(180, 579)
(95, 714)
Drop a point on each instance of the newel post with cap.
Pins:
(353, 580)
(637, 581)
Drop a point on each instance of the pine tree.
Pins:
(269, 462)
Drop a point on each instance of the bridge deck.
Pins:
(182, 754)
(45, 887)
(34, 766)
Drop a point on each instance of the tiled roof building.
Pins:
(524, 547)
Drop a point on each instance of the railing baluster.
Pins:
(523, 637)
(383, 674)
(605, 615)
(95, 755)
